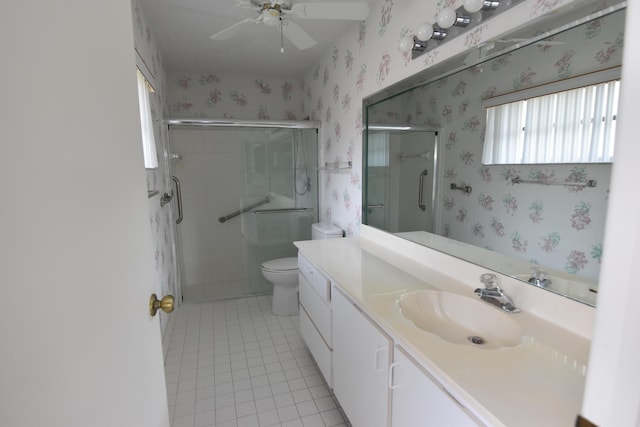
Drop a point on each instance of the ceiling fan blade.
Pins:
(231, 31)
(354, 11)
(299, 37)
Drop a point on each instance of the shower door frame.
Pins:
(184, 122)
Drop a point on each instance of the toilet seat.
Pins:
(281, 265)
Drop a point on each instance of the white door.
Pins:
(77, 344)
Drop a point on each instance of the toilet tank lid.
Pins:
(281, 264)
(326, 228)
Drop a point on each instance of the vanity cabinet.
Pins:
(361, 358)
(355, 357)
(315, 315)
(417, 400)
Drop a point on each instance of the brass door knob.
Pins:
(165, 304)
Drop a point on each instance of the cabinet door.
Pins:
(418, 401)
(360, 365)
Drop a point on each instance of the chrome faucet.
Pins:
(538, 278)
(494, 295)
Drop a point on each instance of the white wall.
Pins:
(612, 396)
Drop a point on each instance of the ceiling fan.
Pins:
(282, 12)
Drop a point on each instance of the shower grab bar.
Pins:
(421, 204)
(284, 210)
(243, 210)
(176, 181)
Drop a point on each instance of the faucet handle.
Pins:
(537, 273)
(489, 280)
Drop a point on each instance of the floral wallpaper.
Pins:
(556, 226)
(162, 219)
(365, 61)
(491, 216)
(212, 95)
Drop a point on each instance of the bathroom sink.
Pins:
(460, 319)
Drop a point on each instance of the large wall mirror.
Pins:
(540, 221)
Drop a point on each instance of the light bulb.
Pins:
(473, 6)
(406, 44)
(446, 17)
(424, 32)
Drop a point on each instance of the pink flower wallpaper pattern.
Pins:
(363, 62)
(214, 95)
(557, 226)
(161, 218)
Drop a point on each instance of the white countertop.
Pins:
(539, 382)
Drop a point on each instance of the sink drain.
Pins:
(474, 339)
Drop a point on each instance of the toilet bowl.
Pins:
(283, 273)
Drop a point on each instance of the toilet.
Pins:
(283, 273)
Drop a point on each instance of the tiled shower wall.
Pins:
(211, 172)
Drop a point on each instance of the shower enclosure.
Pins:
(401, 169)
(247, 194)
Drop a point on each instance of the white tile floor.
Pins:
(234, 364)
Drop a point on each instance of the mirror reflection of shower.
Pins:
(400, 173)
(263, 181)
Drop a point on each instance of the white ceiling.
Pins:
(182, 29)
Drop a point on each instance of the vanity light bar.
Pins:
(452, 23)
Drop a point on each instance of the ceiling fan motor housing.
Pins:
(271, 14)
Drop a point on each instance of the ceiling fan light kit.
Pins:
(451, 23)
(283, 13)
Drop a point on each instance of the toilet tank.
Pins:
(323, 230)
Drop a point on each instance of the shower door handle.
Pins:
(176, 181)
(421, 204)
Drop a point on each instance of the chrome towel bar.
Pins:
(284, 210)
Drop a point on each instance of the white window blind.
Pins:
(378, 149)
(572, 126)
(146, 121)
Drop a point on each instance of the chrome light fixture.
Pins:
(451, 23)
(448, 17)
(473, 6)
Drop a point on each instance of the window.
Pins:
(146, 121)
(378, 149)
(577, 125)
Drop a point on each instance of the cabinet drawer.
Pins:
(318, 348)
(318, 310)
(318, 281)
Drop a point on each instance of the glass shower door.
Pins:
(269, 173)
(282, 165)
